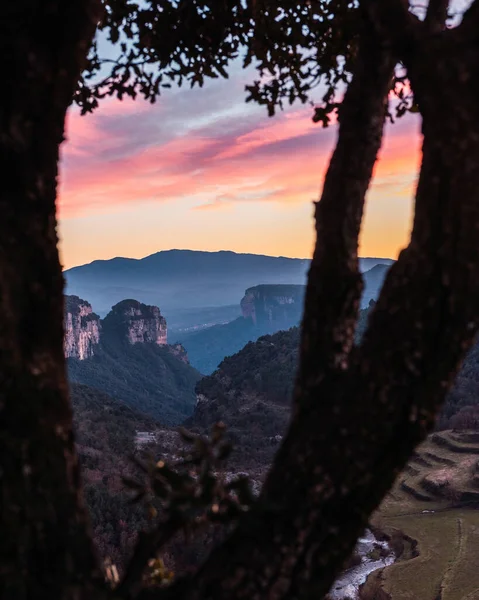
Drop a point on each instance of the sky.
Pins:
(201, 169)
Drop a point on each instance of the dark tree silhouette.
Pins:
(360, 411)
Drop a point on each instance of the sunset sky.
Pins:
(201, 169)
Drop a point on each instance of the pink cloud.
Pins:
(201, 164)
(109, 164)
(288, 125)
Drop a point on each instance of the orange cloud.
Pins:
(130, 153)
(197, 166)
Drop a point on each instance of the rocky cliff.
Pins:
(129, 320)
(277, 306)
(82, 328)
(137, 322)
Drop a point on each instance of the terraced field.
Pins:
(435, 501)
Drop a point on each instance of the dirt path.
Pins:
(460, 554)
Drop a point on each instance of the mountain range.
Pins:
(194, 287)
(265, 309)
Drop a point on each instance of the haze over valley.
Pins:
(192, 287)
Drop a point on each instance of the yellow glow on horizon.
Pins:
(250, 192)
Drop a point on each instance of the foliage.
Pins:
(187, 493)
(190, 489)
(115, 521)
(105, 424)
(146, 377)
(104, 432)
(293, 45)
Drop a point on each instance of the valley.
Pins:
(133, 379)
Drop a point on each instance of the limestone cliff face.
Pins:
(273, 305)
(137, 322)
(82, 328)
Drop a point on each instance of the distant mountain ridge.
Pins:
(177, 280)
(265, 309)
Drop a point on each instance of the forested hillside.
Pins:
(105, 430)
(251, 392)
(147, 377)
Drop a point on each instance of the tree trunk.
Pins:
(269, 555)
(358, 420)
(45, 549)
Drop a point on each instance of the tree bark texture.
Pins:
(45, 548)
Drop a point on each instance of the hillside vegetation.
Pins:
(146, 377)
(251, 392)
(105, 431)
(208, 348)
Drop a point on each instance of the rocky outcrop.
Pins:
(137, 322)
(82, 328)
(278, 306)
(179, 351)
(128, 320)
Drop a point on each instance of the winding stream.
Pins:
(348, 583)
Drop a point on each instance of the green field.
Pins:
(435, 501)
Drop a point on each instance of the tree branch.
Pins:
(148, 544)
(334, 282)
(436, 15)
(428, 304)
(393, 21)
